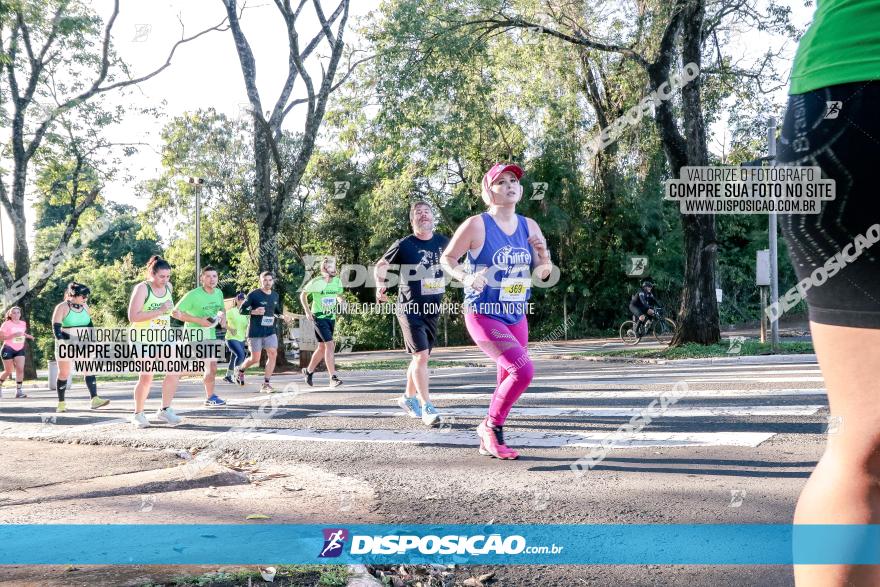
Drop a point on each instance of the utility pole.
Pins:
(774, 261)
(770, 159)
(197, 183)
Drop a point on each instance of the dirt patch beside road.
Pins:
(54, 483)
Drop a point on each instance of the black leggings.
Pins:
(847, 148)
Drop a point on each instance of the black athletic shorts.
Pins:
(637, 311)
(324, 329)
(7, 353)
(838, 129)
(419, 331)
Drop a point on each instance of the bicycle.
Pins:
(662, 328)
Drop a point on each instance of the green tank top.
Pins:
(76, 319)
(841, 46)
(154, 303)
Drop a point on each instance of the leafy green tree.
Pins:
(58, 60)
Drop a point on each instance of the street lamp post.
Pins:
(774, 262)
(197, 183)
(772, 277)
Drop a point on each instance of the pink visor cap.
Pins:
(500, 168)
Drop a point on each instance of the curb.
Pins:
(754, 359)
(361, 578)
(379, 372)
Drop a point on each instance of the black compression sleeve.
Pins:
(92, 385)
(59, 334)
(245, 308)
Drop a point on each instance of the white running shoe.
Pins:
(430, 416)
(168, 416)
(140, 421)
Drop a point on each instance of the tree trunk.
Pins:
(267, 226)
(267, 129)
(698, 316)
(21, 255)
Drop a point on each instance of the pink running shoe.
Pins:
(492, 442)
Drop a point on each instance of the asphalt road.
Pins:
(735, 448)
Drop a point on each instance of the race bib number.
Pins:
(18, 339)
(328, 303)
(514, 290)
(267, 321)
(160, 322)
(432, 286)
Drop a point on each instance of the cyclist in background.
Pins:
(642, 304)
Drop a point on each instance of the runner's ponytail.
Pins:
(156, 263)
(76, 289)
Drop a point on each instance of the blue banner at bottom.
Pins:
(174, 544)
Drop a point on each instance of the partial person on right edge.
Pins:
(832, 122)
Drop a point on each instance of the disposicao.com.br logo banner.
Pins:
(471, 545)
(615, 544)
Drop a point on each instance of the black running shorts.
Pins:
(419, 331)
(7, 353)
(324, 328)
(838, 129)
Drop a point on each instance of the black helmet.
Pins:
(647, 283)
(77, 289)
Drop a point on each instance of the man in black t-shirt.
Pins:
(420, 291)
(261, 304)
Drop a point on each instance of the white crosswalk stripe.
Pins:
(569, 405)
(587, 393)
(787, 392)
(520, 439)
(693, 412)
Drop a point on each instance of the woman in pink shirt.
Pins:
(12, 336)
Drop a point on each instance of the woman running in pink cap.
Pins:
(503, 248)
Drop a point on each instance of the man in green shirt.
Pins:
(320, 298)
(202, 308)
